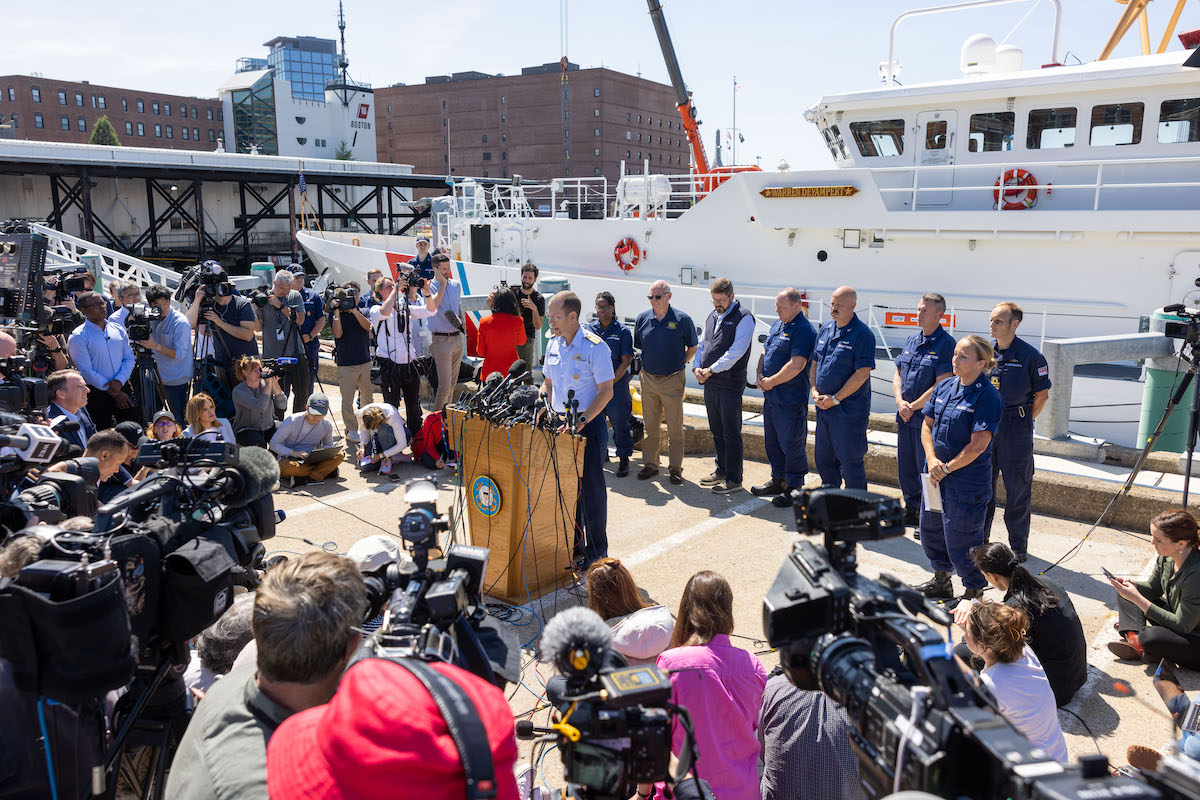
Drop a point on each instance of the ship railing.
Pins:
(1096, 185)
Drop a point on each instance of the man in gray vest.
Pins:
(720, 367)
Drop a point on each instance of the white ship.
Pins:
(1072, 190)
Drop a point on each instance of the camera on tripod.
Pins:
(58, 320)
(207, 281)
(341, 298)
(141, 316)
(1188, 331)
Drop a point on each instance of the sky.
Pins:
(785, 55)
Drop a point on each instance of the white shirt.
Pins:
(582, 365)
(1027, 701)
(392, 344)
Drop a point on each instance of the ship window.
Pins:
(1117, 124)
(883, 137)
(991, 132)
(1179, 121)
(837, 137)
(935, 135)
(1050, 128)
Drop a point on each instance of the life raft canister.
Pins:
(1019, 189)
(627, 254)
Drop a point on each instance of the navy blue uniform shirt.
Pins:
(785, 341)
(314, 307)
(957, 412)
(919, 364)
(838, 353)
(618, 338)
(664, 342)
(423, 266)
(1020, 373)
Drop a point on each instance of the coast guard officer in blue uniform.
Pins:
(783, 379)
(1024, 382)
(578, 359)
(423, 262)
(620, 409)
(922, 365)
(959, 421)
(840, 374)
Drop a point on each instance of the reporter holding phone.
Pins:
(1160, 617)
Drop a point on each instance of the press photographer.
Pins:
(396, 340)
(351, 352)
(224, 321)
(314, 320)
(256, 400)
(282, 319)
(170, 341)
(101, 352)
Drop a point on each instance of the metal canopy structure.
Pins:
(267, 188)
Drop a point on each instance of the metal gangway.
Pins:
(64, 251)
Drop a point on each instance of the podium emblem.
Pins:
(485, 494)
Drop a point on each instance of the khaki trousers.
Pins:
(289, 468)
(350, 379)
(662, 396)
(447, 353)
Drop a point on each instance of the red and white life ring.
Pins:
(1019, 190)
(627, 253)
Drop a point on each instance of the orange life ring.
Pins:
(627, 253)
(1019, 185)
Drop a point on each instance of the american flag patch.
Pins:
(1043, 371)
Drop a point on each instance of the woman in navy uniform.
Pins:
(960, 419)
(620, 409)
(924, 362)
(1024, 382)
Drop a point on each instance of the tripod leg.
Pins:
(1193, 427)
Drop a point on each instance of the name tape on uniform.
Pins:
(908, 319)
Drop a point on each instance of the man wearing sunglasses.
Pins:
(667, 339)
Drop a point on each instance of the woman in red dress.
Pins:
(500, 334)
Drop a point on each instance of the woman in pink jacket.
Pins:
(721, 686)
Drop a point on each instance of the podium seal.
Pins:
(485, 494)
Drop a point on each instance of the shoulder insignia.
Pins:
(592, 337)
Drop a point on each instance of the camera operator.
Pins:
(382, 731)
(170, 341)
(314, 320)
(68, 393)
(282, 318)
(256, 399)
(226, 332)
(397, 342)
(128, 295)
(101, 352)
(305, 614)
(352, 354)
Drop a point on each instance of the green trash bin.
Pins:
(264, 271)
(1160, 383)
(548, 287)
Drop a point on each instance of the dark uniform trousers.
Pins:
(591, 513)
(785, 434)
(725, 421)
(1012, 457)
(910, 452)
(840, 447)
(619, 413)
(948, 538)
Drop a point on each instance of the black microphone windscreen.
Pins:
(524, 729)
(576, 640)
(65, 426)
(519, 367)
(494, 378)
(523, 397)
(260, 474)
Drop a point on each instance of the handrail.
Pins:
(115, 265)
(920, 12)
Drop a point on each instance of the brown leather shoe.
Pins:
(677, 477)
(647, 472)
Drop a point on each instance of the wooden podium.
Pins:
(520, 488)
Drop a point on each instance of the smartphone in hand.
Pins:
(1108, 574)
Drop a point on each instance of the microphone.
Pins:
(479, 399)
(577, 641)
(36, 444)
(453, 319)
(1175, 308)
(516, 373)
(255, 476)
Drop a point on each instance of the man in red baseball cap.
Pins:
(382, 736)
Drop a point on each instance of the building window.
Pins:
(669, 124)
(167, 109)
(504, 137)
(1050, 128)
(443, 123)
(157, 131)
(37, 94)
(627, 154)
(212, 135)
(124, 104)
(186, 133)
(210, 114)
(503, 119)
(501, 99)
(660, 122)
(595, 131)
(389, 108)
(62, 97)
(82, 125)
(12, 95)
(65, 121)
(660, 140)
(443, 105)
(595, 172)
(157, 110)
(883, 137)
(79, 99)
(595, 92)
(103, 101)
(129, 129)
(220, 115)
(195, 113)
(639, 155)
(504, 156)
(38, 122)
(1117, 124)
(14, 122)
(639, 137)
(628, 136)
(649, 120)
(487, 156)
(141, 106)
(195, 134)
(170, 132)
(628, 117)
(302, 140)
(595, 112)
(141, 129)
(639, 119)
(596, 151)
(445, 140)
(485, 138)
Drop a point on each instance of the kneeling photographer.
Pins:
(256, 400)
(170, 341)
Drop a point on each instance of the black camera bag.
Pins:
(197, 587)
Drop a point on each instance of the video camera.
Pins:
(139, 320)
(341, 298)
(919, 722)
(58, 320)
(410, 275)
(615, 725)
(433, 609)
(1188, 331)
(274, 367)
(208, 280)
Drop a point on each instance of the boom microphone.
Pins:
(1174, 308)
(255, 476)
(576, 640)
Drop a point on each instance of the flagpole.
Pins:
(735, 130)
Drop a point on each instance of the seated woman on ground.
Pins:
(383, 435)
(203, 422)
(640, 629)
(1055, 633)
(255, 401)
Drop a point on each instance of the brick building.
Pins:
(497, 126)
(48, 110)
